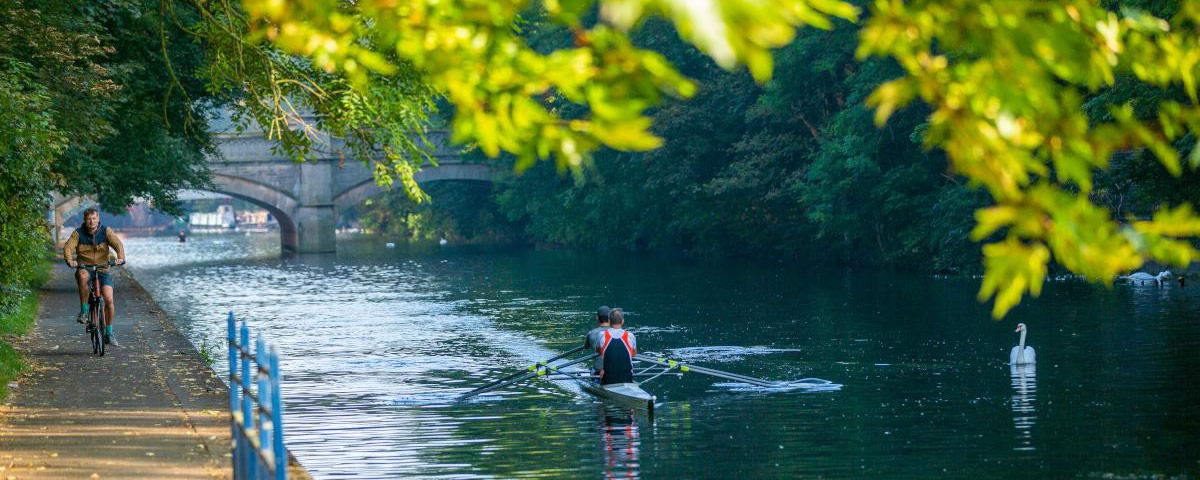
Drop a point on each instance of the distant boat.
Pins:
(390, 245)
(222, 218)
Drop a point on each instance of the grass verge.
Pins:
(16, 323)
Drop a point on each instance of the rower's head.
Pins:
(602, 315)
(616, 317)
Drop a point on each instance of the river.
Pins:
(376, 342)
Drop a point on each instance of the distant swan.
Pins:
(1021, 354)
(1143, 278)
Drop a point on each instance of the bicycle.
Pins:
(95, 321)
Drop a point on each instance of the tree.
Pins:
(763, 172)
(1009, 87)
(87, 108)
(148, 136)
(1008, 84)
(46, 64)
(506, 96)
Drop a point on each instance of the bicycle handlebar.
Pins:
(110, 263)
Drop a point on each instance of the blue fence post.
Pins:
(266, 458)
(264, 394)
(239, 444)
(231, 340)
(277, 417)
(247, 400)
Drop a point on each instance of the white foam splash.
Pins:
(806, 385)
(656, 330)
(723, 354)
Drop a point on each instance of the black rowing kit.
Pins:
(617, 352)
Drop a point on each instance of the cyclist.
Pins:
(89, 245)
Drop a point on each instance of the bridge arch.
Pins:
(356, 194)
(281, 205)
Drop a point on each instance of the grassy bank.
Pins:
(15, 322)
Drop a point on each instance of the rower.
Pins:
(591, 341)
(618, 347)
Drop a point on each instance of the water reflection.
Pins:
(620, 440)
(377, 341)
(1024, 383)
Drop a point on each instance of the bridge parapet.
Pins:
(255, 146)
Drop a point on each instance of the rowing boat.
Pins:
(628, 394)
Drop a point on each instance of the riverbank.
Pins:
(149, 409)
(16, 323)
(16, 319)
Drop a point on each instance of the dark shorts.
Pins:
(105, 278)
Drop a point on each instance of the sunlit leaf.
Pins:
(1008, 110)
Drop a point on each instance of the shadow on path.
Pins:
(149, 409)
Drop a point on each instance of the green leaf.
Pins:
(1011, 269)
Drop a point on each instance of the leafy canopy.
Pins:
(1007, 82)
(509, 97)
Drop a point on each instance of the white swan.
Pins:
(1021, 354)
(1143, 278)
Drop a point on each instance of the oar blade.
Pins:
(534, 370)
(518, 376)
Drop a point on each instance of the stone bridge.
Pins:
(305, 198)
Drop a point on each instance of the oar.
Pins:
(666, 362)
(554, 368)
(525, 372)
(539, 370)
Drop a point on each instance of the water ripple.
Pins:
(378, 343)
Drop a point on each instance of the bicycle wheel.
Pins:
(100, 325)
(94, 333)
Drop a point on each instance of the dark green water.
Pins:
(377, 341)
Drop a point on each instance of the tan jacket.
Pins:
(93, 249)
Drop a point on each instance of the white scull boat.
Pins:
(628, 394)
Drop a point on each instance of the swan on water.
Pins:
(1021, 354)
(1143, 278)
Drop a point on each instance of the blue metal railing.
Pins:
(258, 450)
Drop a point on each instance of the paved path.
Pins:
(149, 409)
